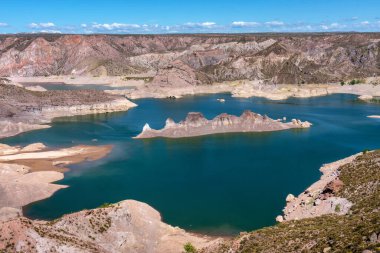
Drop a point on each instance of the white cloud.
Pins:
(3, 24)
(50, 31)
(275, 23)
(365, 23)
(41, 25)
(200, 25)
(241, 24)
(114, 26)
(333, 26)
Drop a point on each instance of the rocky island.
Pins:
(196, 124)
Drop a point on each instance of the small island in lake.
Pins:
(196, 124)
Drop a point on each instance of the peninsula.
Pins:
(196, 124)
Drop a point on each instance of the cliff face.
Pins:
(196, 59)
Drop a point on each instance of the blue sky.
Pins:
(191, 16)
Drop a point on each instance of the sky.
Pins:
(188, 16)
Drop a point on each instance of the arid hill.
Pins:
(196, 59)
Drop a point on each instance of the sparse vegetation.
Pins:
(105, 205)
(189, 248)
(355, 81)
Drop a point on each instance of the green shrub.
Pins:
(337, 208)
(342, 83)
(189, 248)
(105, 205)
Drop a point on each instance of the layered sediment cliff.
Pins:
(196, 124)
(183, 60)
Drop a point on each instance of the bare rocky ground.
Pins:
(24, 110)
(128, 226)
(196, 124)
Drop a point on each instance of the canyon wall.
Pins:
(196, 59)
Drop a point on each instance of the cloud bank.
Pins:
(238, 26)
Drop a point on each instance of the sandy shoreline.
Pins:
(27, 174)
(136, 89)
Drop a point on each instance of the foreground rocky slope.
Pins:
(196, 124)
(184, 60)
(128, 226)
(355, 231)
(23, 110)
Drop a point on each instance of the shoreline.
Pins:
(29, 173)
(136, 89)
(313, 201)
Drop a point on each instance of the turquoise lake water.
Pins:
(219, 184)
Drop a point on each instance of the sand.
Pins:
(27, 174)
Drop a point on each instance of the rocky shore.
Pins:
(24, 110)
(196, 124)
(339, 213)
(320, 198)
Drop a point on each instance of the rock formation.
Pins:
(338, 213)
(182, 60)
(196, 124)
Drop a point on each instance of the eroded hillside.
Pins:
(196, 59)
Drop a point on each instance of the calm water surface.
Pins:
(215, 184)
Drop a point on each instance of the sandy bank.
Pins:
(27, 173)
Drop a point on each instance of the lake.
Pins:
(217, 184)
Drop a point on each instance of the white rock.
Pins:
(290, 198)
(279, 218)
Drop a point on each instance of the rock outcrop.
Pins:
(196, 124)
(347, 222)
(320, 198)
